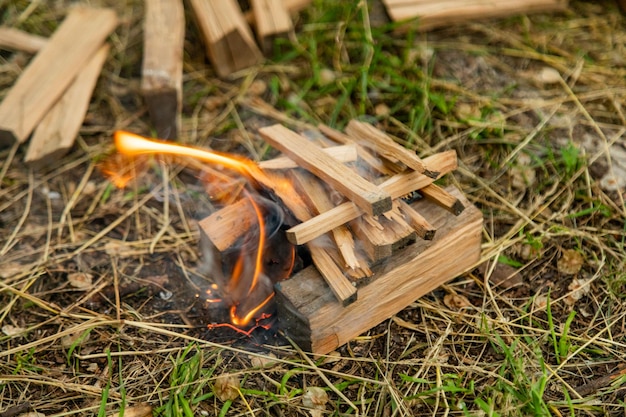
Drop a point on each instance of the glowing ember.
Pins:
(247, 292)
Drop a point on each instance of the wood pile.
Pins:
(373, 249)
(432, 14)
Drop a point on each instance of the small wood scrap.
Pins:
(431, 14)
(47, 76)
(162, 66)
(340, 219)
(17, 40)
(272, 20)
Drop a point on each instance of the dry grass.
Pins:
(534, 152)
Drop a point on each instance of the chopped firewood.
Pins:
(225, 226)
(397, 232)
(162, 67)
(397, 186)
(343, 154)
(367, 196)
(45, 79)
(377, 140)
(227, 37)
(17, 40)
(369, 233)
(436, 13)
(272, 21)
(56, 132)
(372, 161)
(309, 313)
(422, 227)
(314, 191)
(340, 286)
(443, 198)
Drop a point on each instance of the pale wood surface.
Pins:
(366, 195)
(17, 40)
(440, 196)
(56, 132)
(228, 224)
(342, 289)
(310, 314)
(396, 186)
(422, 227)
(45, 79)
(227, 37)
(435, 13)
(162, 66)
(343, 154)
(272, 20)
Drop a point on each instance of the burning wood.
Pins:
(356, 233)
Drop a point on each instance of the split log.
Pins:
(55, 134)
(227, 37)
(367, 196)
(343, 154)
(17, 40)
(272, 21)
(436, 13)
(162, 66)
(377, 140)
(309, 313)
(444, 199)
(422, 227)
(396, 186)
(47, 76)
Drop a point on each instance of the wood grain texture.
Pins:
(45, 79)
(162, 65)
(309, 313)
(55, 134)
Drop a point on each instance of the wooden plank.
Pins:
(227, 37)
(396, 186)
(272, 21)
(377, 140)
(343, 154)
(52, 70)
(444, 199)
(435, 13)
(310, 315)
(55, 134)
(162, 66)
(366, 195)
(17, 40)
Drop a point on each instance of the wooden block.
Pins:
(366, 195)
(440, 196)
(309, 313)
(367, 135)
(396, 186)
(343, 154)
(55, 134)
(435, 13)
(225, 226)
(17, 40)
(272, 21)
(162, 67)
(52, 70)
(228, 38)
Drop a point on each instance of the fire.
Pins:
(245, 281)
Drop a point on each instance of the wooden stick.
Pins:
(293, 6)
(56, 132)
(340, 286)
(314, 191)
(396, 186)
(17, 40)
(434, 13)
(371, 238)
(309, 313)
(47, 76)
(366, 195)
(422, 227)
(228, 224)
(343, 154)
(162, 67)
(440, 196)
(228, 39)
(272, 21)
(377, 140)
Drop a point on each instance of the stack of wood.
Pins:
(431, 14)
(373, 251)
(51, 96)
